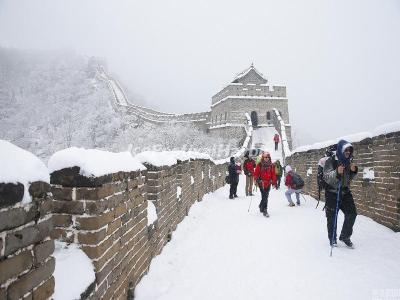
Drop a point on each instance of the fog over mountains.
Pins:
(51, 100)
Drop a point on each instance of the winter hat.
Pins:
(288, 169)
(341, 147)
(232, 160)
(265, 154)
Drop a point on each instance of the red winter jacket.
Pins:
(248, 166)
(276, 138)
(289, 181)
(267, 175)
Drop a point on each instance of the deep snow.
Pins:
(19, 165)
(221, 251)
(69, 283)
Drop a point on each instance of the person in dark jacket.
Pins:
(339, 171)
(233, 178)
(248, 167)
(265, 176)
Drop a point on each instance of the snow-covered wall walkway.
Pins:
(222, 251)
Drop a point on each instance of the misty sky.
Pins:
(340, 60)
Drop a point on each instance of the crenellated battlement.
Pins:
(249, 90)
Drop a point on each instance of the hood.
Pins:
(341, 146)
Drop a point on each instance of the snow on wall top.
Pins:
(386, 128)
(168, 158)
(93, 162)
(18, 165)
(353, 138)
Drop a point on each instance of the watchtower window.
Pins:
(268, 115)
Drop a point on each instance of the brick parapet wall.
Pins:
(107, 217)
(379, 198)
(26, 262)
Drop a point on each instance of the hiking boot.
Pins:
(298, 203)
(236, 196)
(265, 213)
(291, 204)
(251, 194)
(348, 242)
(230, 197)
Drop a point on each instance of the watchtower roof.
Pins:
(247, 71)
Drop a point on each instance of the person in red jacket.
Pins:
(248, 168)
(276, 140)
(265, 176)
(292, 188)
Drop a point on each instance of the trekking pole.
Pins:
(251, 199)
(336, 214)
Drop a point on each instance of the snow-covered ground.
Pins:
(222, 251)
(263, 139)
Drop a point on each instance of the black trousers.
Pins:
(264, 198)
(278, 181)
(276, 146)
(346, 204)
(233, 189)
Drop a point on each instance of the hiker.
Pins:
(276, 140)
(320, 173)
(294, 183)
(233, 178)
(264, 175)
(248, 167)
(339, 171)
(278, 172)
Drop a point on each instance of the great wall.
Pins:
(106, 215)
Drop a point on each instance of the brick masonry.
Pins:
(379, 198)
(108, 218)
(26, 262)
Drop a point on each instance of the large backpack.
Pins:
(320, 173)
(298, 181)
(322, 184)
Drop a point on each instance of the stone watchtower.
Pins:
(249, 92)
